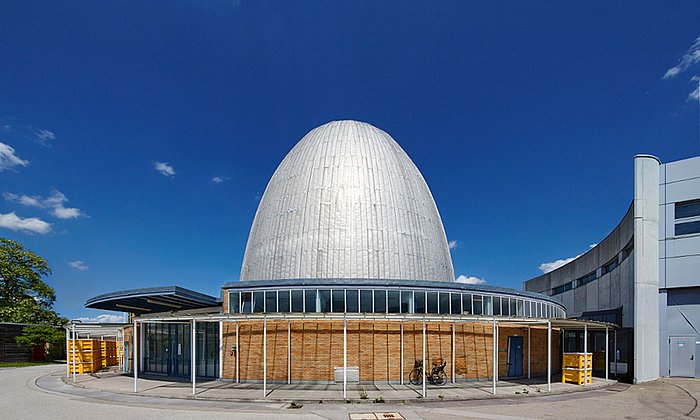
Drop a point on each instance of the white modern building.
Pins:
(644, 276)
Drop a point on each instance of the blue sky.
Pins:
(522, 116)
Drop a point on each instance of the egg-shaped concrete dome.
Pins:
(347, 202)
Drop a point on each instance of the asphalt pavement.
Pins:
(39, 393)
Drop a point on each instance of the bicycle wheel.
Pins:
(440, 378)
(415, 377)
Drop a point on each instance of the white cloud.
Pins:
(695, 93)
(452, 244)
(692, 56)
(29, 225)
(469, 279)
(55, 202)
(79, 265)
(8, 158)
(43, 136)
(220, 179)
(164, 168)
(551, 266)
(103, 319)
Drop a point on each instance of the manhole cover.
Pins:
(376, 416)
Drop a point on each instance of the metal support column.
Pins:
(67, 353)
(74, 355)
(265, 357)
(289, 352)
(615, 352)
(495, 355)
(221, 350)
(345, 358)
(424, 366)
(607, 360)
(401, 380)
(549, 355)
(136, 356)
(193, 365)
(528, 352)
(238, 356)
(453, 352)
(585, 355)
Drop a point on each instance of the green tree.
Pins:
(24, 297)
(37, 335)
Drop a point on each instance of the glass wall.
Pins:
(167, 349)
(389, 301)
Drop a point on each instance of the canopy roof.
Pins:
(152, 300)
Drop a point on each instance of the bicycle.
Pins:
(436, 377)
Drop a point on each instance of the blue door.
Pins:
(515, 356)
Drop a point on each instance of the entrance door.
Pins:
(515, 356)
(682, 355)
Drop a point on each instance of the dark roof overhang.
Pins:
(152, 300)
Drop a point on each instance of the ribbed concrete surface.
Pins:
(347, 202)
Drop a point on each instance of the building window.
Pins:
(610, 265)
(380, 301)
(687, 228)
(406, 302)
(587, 278)
(338, 300)
(488, 305)
(258, 301)
(477, 303)
(366, 301)
(246, 302)
(521, 310)
(496, 305)
(687, 209)
(444, 303)
(297, 301)
(351, 301)
(393, 302)
(324, 301)
(310, 300)
(283, 301)
(563, 288)
(271, 301)
(687, 217)
(419, 302)
(234, 303)
(466, 303)
(432, 298)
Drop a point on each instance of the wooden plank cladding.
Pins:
(375, 347)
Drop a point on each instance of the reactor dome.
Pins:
(347, 203)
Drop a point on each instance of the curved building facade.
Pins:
(347, 202)
(644, 276)
(347, 269)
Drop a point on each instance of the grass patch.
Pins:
(23, 364)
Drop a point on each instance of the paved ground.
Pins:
(38, 393)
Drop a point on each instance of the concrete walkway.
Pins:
(328, 393)
(40, 393)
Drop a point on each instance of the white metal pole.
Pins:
(75, 350)
(221, 350)
(136, 356)
(424, 366)
(549, 355)
(607, 361)
(194, 356)
(528, 352)
(453, 352)
(585, 354)
(345, 358)
(495, 355)
(265, 357)
(289, 352)
(238, 356)
(67, 353)
(615, 352)
(401, 379)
